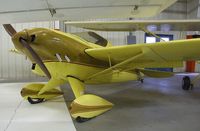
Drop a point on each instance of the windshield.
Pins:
(92, 37)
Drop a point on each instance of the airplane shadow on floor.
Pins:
(134, 94)
(123, 96)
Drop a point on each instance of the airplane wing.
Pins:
(177, 50)
(158, 55)
(15, 11)
(150, 25)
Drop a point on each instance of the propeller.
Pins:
(26, 44)
(9, 29)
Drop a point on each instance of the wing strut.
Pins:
(110, 63)
(152, 34)
(117, 65)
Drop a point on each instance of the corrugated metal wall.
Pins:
(14, 66)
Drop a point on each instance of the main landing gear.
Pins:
(186, 83)
(141, 80)
(35, 100)
(82, 119)
(30, 93)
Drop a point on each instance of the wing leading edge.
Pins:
(161, 54)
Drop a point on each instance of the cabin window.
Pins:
(92, 37)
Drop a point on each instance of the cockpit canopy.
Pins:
(92, 37)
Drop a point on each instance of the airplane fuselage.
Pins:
(64, 55)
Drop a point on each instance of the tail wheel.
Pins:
(35, 100)
(186, 83)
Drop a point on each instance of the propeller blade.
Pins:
(35, 57)
(9, 29)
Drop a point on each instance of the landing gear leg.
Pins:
(142, 80)
(86, 106)
(188, 84)
(140, 77)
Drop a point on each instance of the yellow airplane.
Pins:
(87, 58)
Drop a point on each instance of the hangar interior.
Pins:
(156, 104)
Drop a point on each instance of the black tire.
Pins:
(186, 83)
(191, 86)
(35, 100)
(81, 119)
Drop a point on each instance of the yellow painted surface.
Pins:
(156, 74)
(79, 60)
(93, 100)
(60, 70)
(52, 83)
(179, 50)
(88, 58)
(49, 42)
(77, 86)
(88, 106)
(31, 90)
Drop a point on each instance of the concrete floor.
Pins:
(17, 114)
(155, 105)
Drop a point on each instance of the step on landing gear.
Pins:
(186, 83)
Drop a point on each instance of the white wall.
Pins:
(14, 66)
